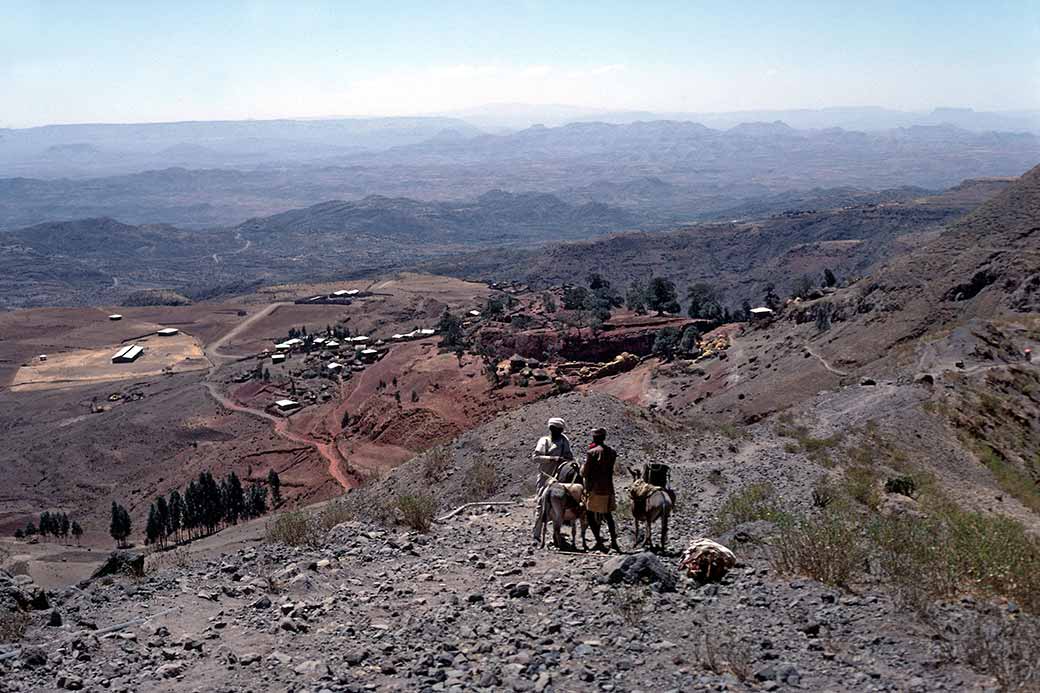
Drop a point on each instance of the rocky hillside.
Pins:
(739, 258)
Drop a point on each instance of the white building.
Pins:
(278, 358)
(334, 367)
(115, 316)
(168, 332)
(127, 354)
(761, 313)
(286, 405)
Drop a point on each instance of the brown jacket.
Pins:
(598, 470)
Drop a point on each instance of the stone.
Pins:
(288, 624)
(639, 568)
(55, 620)
(261, 603)
(34, 656)
(519, 590)
(314, 668)
(122, 562)
(170, 671)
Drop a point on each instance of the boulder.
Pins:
(639, 568)
(130, 563)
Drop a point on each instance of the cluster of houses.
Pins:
(365, 351)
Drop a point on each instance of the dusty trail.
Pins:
(327, 450)
(826, 365)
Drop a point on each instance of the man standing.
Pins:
(551, 450)
(598, 472)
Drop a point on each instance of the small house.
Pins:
(369, 355)
(168, 332)
(115, 316)
(761, 313)
(286, 405)
(43, 357)
(278, 358)
(127, 354)
(332, 344)
(474, 313)
(334, 368)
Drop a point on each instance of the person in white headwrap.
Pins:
(551, 450)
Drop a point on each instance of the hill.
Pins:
(103, 260)
(742, 258)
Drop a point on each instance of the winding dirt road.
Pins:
(280, 424)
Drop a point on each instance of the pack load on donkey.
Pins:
(652, 499)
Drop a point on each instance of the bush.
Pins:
(13, 625)
(436, 462)
(753, 502)
(903, 485)
(481, 480)
(826, 548)
(861, 485)
(1006, 649)
(954, 550)
(630, 605)
(417, 511)
(296, 528)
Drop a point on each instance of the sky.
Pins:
(143, 61)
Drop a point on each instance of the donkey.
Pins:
(561, 501)
(649, 504)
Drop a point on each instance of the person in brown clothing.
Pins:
(598, 472)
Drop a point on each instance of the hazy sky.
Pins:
(123, 60)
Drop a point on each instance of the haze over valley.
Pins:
(522, 347)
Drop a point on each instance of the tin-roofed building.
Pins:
(128, 354)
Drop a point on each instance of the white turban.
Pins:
(558, 422)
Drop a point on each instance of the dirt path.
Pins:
(281, 425)
(826, 365)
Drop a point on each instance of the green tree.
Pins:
(450, 329)
(120, 525)
(635, 297)
(688, 343)
(745, 310)
(162, 516)
(233, 499)
(77, 532)
(64, 525)
(666, 341)
(176, 514)
(802, 287)
(152, 528)
(772, 299)
(275, 484)
(704, 302)
(662, 296)
(549, 301)
(829, 279)
(575, 298)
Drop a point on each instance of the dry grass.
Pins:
(436, 463)
(1005, 649)
(417, 511)
(13, 625)
(630, 605)
(481, 480)
(828, 548)
(296, 528)
(753, 502)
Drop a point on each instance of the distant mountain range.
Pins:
(666, 172)
(518, 116)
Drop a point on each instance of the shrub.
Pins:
(630, 604)
(861, 485)
(417, 511)
(481, 480)
(826, 548)
(753, 502)
(295, 528)
(1005, 649)
(903, 485)
(13, 625)
(953, 550)
(436, 462)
